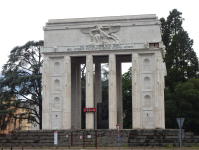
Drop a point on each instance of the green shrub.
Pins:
(169, 146)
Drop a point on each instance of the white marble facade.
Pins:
(71, 42)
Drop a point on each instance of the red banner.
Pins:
(89, 110)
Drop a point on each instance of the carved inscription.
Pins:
(99, 47)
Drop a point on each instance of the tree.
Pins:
(182, 65)
(105, 80)
(171, 26)
(183, 104)
(127, 98)
(181, 60)
(187, 102)
(21, 82)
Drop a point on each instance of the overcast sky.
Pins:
(23, 20)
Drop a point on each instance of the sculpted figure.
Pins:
(101, 36)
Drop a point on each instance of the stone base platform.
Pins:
(103, 138)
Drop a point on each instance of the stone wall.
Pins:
(105, 138)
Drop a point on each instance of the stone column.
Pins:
(89, 92)
(75, 94)
(119, 94)
(67, 93)
(46, 92)
(159, 93)
(98, 88)
(112, 92)
(136, 109)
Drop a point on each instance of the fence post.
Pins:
(71, 138)
(96, 140)
(83, 141)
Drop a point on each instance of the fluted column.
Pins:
(67, 93)
(136, 109)
(112, 92)
(89, 92)
(45, 97)
(98, 88)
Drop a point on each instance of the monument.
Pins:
(68, 43)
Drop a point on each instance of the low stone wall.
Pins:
(103, 138)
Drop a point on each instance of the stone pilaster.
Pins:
(112, 92)
(67, 93)
(98, 88)
(159, 93)
(89, 92)
(119, 94)
(136, 109)
(46, 92)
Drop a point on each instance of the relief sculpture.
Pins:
(102, 35)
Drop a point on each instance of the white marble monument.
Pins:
(71, 42)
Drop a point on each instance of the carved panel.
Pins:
(102, 34)
(147, 101)
(56, 63)
(146, 65)
(56, 102)
(147, 83)
(57, 67)
(56, 85)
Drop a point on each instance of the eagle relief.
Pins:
(102, 35)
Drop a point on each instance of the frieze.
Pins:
(97, 47)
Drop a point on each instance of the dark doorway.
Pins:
(102, 115)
